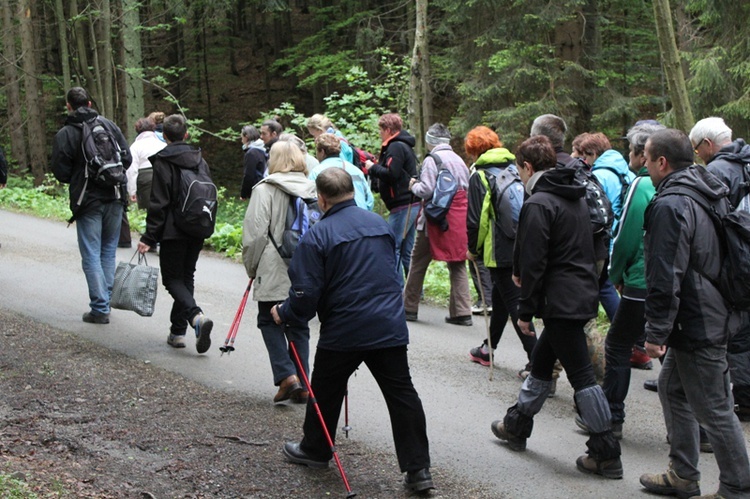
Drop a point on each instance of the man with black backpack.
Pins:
(91, 154)
(181, 214)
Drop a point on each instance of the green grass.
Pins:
(10, 488)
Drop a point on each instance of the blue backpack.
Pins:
(301, 215)
(446, 186)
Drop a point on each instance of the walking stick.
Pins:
(486, 316)
(314, 402)
(346, 426)
(232, 334)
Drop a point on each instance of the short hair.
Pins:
(290, 137)
(639, 134)
(318, 122)
(551, 126)
(595, 143)
(674, 145)
(329, 144)
(713, 129)
(538, 152)
(391, 121)
(481, 139)
(285, 157)
(77, 97)
(335, 184)
(576, 144)
(250, 132)
(273, 125)
(157, 117)
(144, 125)
(175, 127)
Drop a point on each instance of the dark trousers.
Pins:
(125, 240)
(505, 296)
(563, 339)
(390, 368)
(627, 327)
(177, 259)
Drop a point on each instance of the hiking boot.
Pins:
(288, 387)
(93, 318)
(418, 481)
(461, 320)
(514, 442)
(295, 455)
(616, 427)
(411, 316)
(203, 326)
(611, 468)
(176, 340)
(480, 355)
(669, 483)
(478, 309)
(711, 496)
(651, 385)
(640, 359)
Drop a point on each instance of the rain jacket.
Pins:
(727, 165)
(395, 168)
(362, 193)
(610, 180)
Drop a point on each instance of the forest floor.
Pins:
(78, 420)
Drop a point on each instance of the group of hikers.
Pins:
(547, 234)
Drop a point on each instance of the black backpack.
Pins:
(446, 186)
(624, 185)
(301, 215)
(196, 202)
(733, 229)
(600, 208)
(102, 154)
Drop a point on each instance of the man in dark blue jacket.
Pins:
(337, 271)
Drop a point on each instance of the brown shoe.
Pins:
(287, 388)
(669, 483)
(611, 468)
(300, 397)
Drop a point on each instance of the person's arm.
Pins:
(425, 185)
(627, 245)
(532, 242)
(395, 161)
(63, 155)
(250, 176)
(160, 202)
(255, 228)
(307, 274)
(476, 195)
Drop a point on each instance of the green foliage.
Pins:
(10, 488)
(49, 200)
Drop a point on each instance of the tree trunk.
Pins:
(62, 38)
(34, 98)
(131, 40)
(79, 33)
(19, 152)
(670, 59)
(106, 62)
(420, 95)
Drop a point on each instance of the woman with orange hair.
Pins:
(495, 199)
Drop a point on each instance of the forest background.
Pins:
(600, 64)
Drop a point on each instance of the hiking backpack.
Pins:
(446, 186)
(599, 206)
(301, 215)
(744, 204)
(624, 185)
(506, 193)
(733, 229)
(196, 202)
(102, 154)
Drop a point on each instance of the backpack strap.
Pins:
(621, 176)
(438, 161)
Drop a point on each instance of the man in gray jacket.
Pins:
(686, 312)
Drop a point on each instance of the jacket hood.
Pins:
(403, 136)
(736, 152)
(611, 159)
(181, 155)
(497, 156)
(560, 181)
(80, 115)
(293, 183)
(697, 178)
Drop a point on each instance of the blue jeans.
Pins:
(403, 223)
(276, 337)
(98, 233)
(693, 389)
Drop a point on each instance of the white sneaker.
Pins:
(176, 341)
(478, 309)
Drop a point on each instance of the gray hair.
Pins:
(639, 134)
(551, 126)
(437, 134)
(250, 132)
(290, 137)
(713, 129)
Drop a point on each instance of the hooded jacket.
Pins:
(68, 164)
(610, 181)
(554, 251)
(167, 165)
(682, 252)
(395, 167)
(728, 165)
(267, 212)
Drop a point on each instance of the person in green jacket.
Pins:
(628, 276)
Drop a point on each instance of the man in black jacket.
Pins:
(686, 312)
(179, 251)
(97, 210)
(555, 267)
(394, 170)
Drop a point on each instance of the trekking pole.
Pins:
(486, 316)
(314, 402)
(346, 426)
(232, 334)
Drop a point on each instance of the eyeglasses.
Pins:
(698, 145)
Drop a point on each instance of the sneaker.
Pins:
(668, 483)
(411, 316)
(515, 443)
(203, 326)
(478, 309)
(461, 320)
(480, 355)
(418, 481)
(176, 340)
(640, 359)
(93, 318)
(611, 468)
(616, 427)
